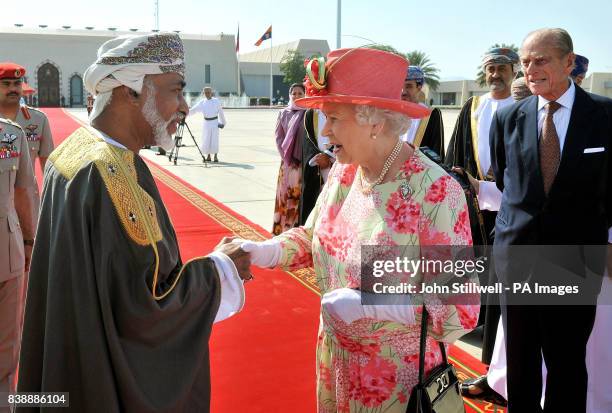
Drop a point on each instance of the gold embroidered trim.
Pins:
(474, 127)
(126, 206)
(83, 147)
(420, 133)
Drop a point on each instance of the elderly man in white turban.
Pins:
(114, 316)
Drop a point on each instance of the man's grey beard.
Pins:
(161, 137)
(499, 85)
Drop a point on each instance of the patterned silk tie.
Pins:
(550, 149)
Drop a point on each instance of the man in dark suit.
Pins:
(550, 157)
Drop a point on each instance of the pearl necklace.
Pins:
(367, 187)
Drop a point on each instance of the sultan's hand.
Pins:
(241, 259)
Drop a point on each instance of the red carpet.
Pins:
(263, 359)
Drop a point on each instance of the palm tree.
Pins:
(384, 48)
(480, 76)
(419, 58)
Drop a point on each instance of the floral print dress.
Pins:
(372, 365)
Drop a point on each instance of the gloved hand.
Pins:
(265, 254)
(345, 304)
(221, 125)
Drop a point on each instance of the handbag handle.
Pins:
(423, 344)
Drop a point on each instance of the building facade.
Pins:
(55, 60)
(255, 66)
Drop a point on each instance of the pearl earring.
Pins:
(374, 136)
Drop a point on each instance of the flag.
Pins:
(238, 40)
(267, 35)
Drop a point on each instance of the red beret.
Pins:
(9, 70)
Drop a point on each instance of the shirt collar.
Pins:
(566, 100)
(107, 138)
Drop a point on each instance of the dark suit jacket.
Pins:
(578, 209)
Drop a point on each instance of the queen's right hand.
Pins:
(264, 254)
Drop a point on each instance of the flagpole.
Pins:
(238, 59)
(271, 78)
(339, 24)
(239, 91)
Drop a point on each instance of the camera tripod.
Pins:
(178, 142)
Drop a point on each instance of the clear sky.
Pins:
(453, 33)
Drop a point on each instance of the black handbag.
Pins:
(439, 393)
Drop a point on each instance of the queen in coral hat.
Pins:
(359, 76)
(380, 192)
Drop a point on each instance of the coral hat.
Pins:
(360, 77)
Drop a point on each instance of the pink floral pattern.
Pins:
(372, 365)
(402, 216)
(462, 225)
(437, 191)
(373, 383)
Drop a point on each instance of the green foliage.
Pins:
(384, 48)
(419, 58)
(292, 66)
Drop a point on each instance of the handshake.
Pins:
(342, 304)
(245, 253)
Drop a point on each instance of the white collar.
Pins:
(488, 96)
(107, 138)
(566, 100)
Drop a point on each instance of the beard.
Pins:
(159, 126)
(497, 85)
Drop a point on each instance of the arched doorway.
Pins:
(48, 85)
(76, 91)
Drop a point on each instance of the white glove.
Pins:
(265, 254)
(345, 304)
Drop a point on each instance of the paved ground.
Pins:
(245, 179)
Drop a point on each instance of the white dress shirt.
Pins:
(561, 117)
(412, 130)
(489, 196)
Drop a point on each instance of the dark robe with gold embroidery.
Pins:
(433, 136)
(460, 152)
(96, 324)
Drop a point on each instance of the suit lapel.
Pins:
(579, 128)
(527, 127)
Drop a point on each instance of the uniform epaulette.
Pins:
(36, 110)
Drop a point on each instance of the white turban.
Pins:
(126, 60)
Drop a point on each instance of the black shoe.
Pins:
(479, 389)
(216, 159)
(208, 158)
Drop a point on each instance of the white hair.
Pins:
(151, 114)
(396, 123)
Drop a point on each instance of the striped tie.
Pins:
(550, 149)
